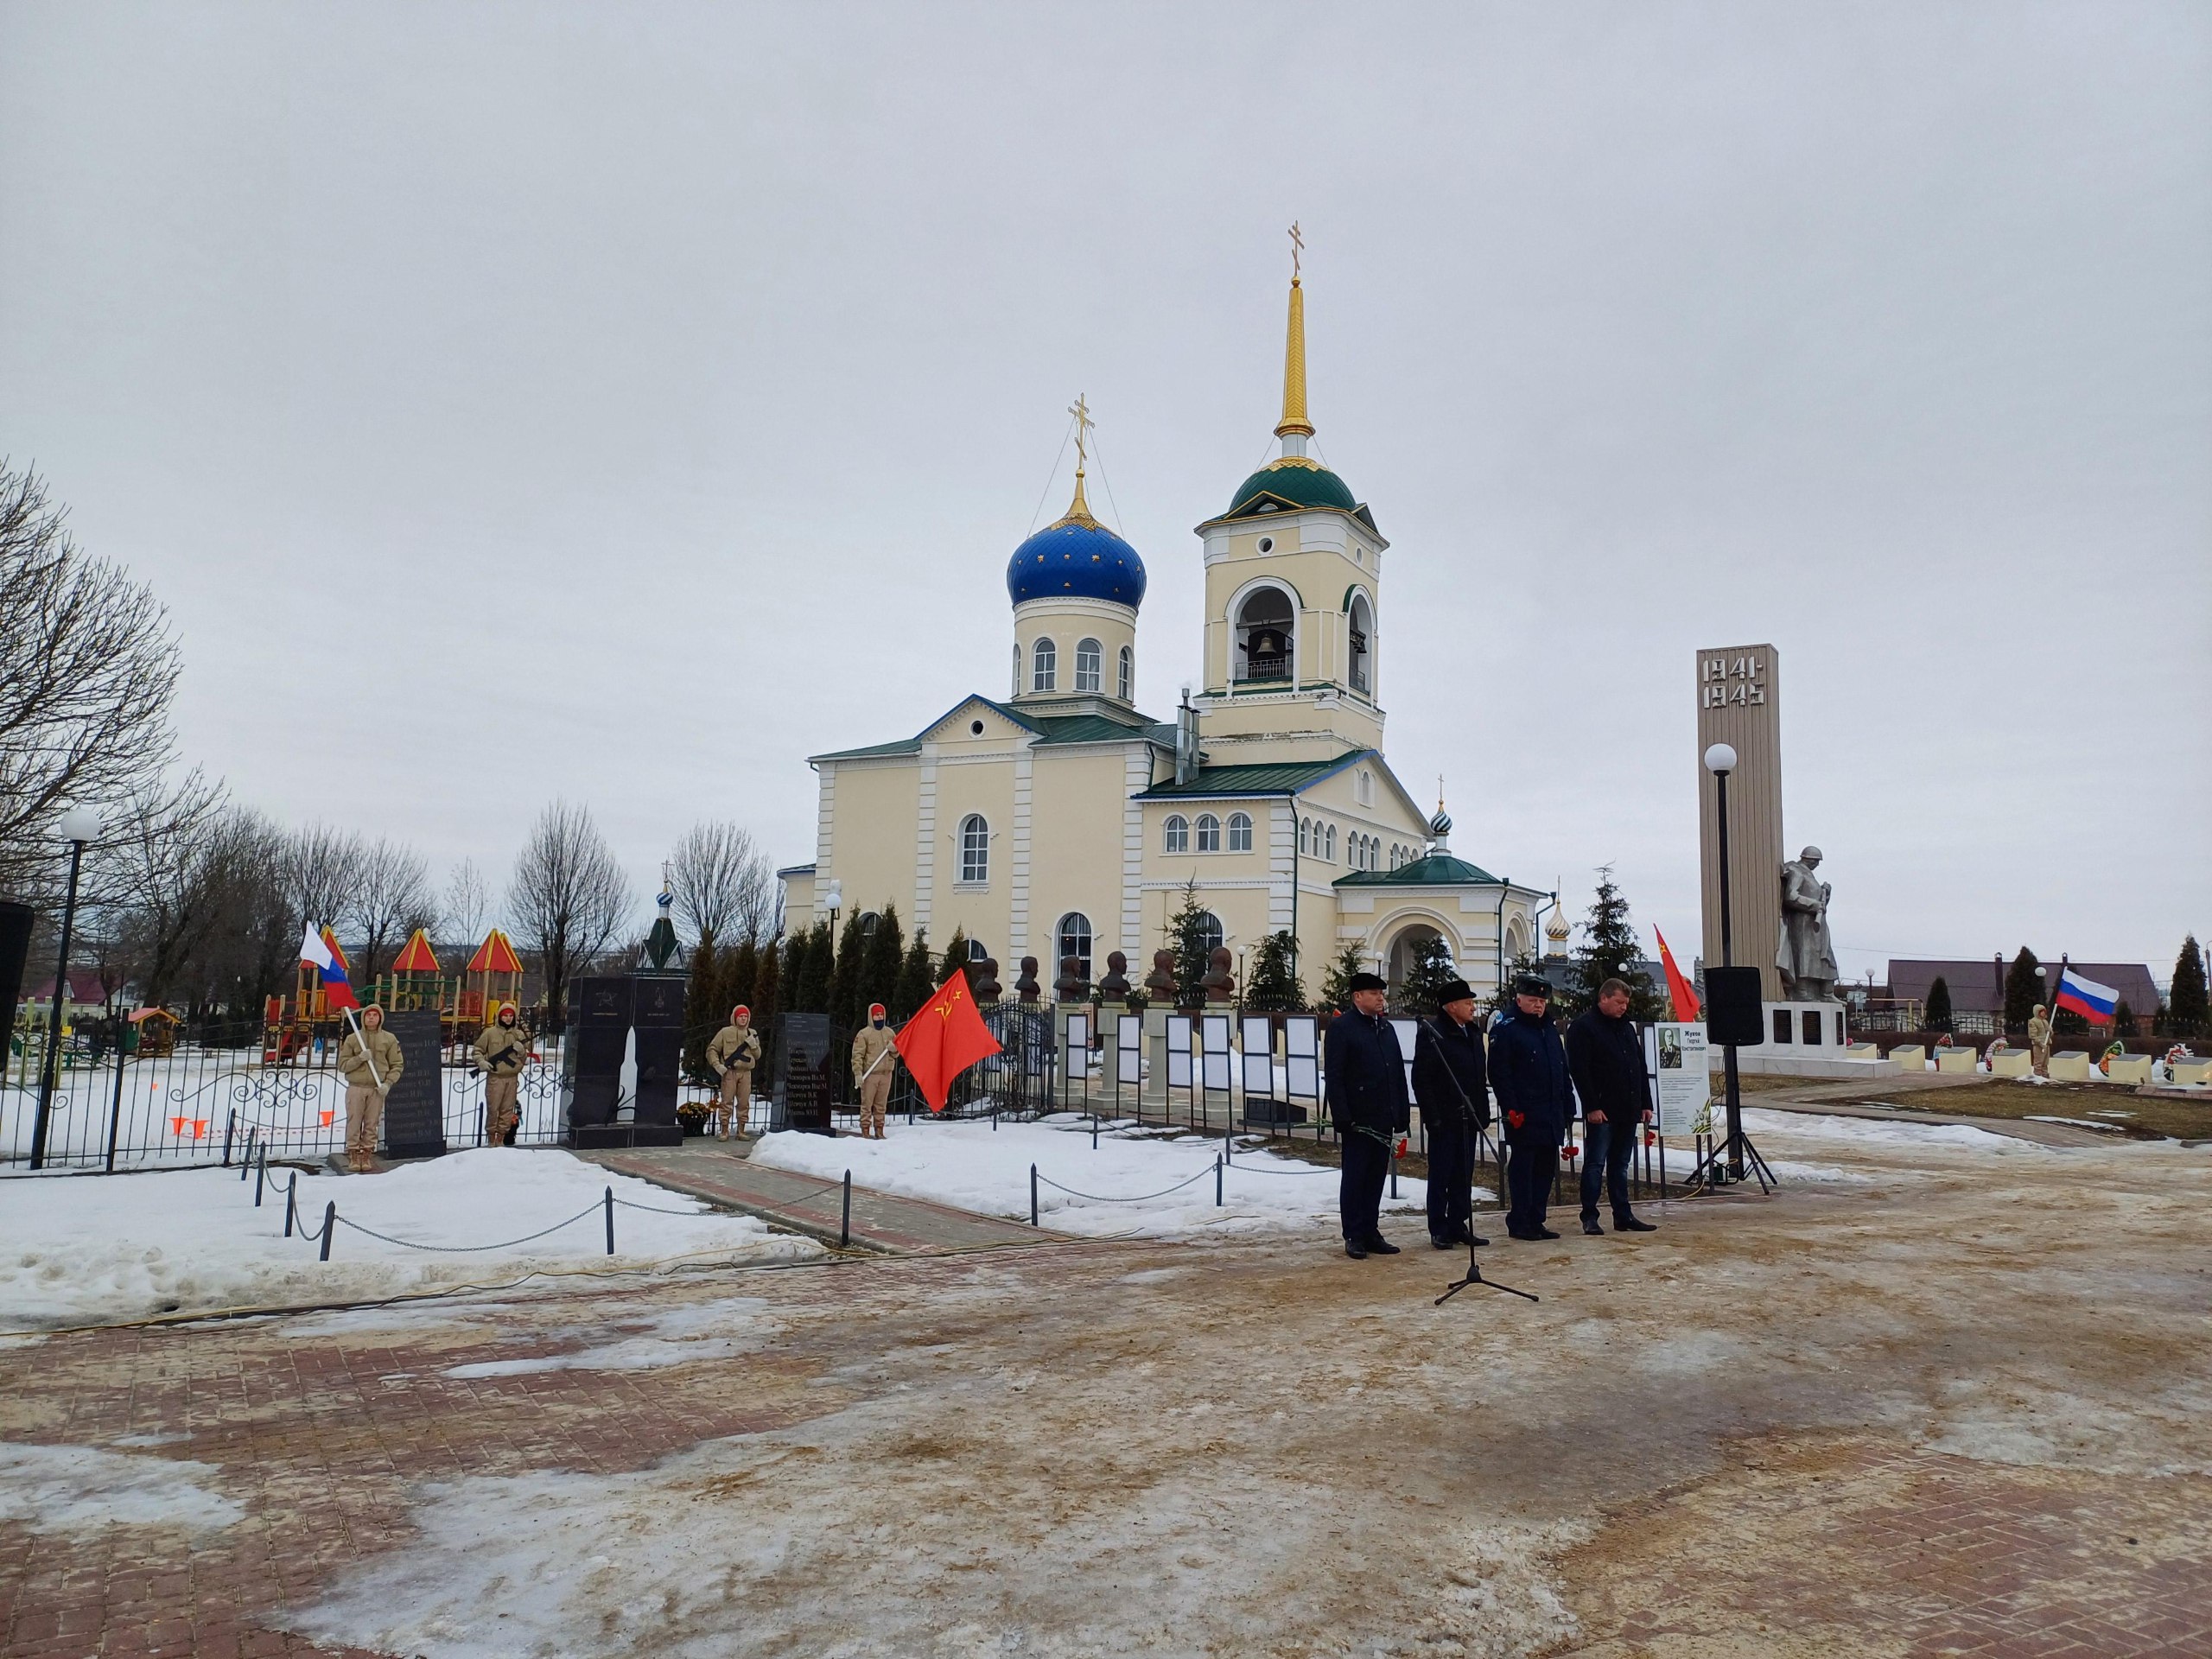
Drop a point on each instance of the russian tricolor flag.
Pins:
(321, 952)
(2093, 1001)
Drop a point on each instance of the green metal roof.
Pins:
(905, 746)
(1272, 778)
(1437, 870)
(1092, 729)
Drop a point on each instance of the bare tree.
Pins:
(467, 903)
(569, 897)
(723, 882)
(392, 899)
(323, 874)
(87, 669)
(250, 950)
(154, 896)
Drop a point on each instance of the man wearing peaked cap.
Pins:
(876, 1060)
(1528, 1068)
(1453, 1090)
(1366, 1081)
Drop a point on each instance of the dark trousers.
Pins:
(1607, 1149)
(1367, 1165)
(1451, 1175)
(1529, 1173)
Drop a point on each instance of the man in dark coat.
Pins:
(1605, 1053)
(1367, 1101)
(1528, 1068)
(1454, 1097)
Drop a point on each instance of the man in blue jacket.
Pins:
(1367, 1101)
(1528, 1069)
(1450, 1085)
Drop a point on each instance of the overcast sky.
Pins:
(624, 402)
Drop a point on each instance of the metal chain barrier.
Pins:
(597, 1208)
(1097, 1197)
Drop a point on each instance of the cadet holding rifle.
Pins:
(731, 1056)
(875, 1062)
(501, 1049)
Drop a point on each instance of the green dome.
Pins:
(1302, 486)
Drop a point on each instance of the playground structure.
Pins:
(414, 983)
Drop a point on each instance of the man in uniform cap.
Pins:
(731, 1056)
(1528, 1068)
(1605, 1053)
(875, 1058)
(1450, 1086)
(1367, 1102)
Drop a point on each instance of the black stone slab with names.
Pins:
(414, 1112)
(591, 1060)
(803, 1072)
(657, 1026)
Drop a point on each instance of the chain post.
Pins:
(329, 1227)
(609, 1205)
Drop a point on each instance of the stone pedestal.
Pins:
(1155, 1050)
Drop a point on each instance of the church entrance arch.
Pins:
(1406, 938)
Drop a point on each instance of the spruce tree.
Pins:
(1188, 938)
(768, 1000)
(2186, 1012)
(845, 1001)
(1432, 969)
(2023, 991)
(2123, 1018)
(880, 962)
(1336, 984)
(735, 976)
(916, 983)
(1608, 949)
(1274, 987)
(817, 966)
(956, 959)
(1938, 1017)
(700, 1019)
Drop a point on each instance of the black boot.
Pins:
(1379, 1245)
(1358, 1252)
(1631, 1224)
(1590, 1226)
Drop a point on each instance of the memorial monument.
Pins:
(1807, 956)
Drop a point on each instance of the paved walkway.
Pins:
(881, 1221)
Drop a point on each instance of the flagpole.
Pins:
(355, 1020)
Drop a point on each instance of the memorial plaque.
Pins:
(1677, 1052)
(591, 1060)
(414, 1112)
(15, 948)
(803, 1072)
(656, 1018)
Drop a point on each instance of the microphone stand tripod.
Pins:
(1475, 1277)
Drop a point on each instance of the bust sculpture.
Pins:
(1115, 988)
(1807, 956)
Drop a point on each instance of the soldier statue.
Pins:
(1807, 957)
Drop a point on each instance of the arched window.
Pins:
(1263, 636)
(1364, 787)
(1073, 938)
(1126, 680)
(974, 849)
(1044, 666)
(1090, 666)
(870, 922)
(1209, 833)
(1331, 853)
(977, 950)
(1017, 667)
(1362, 645)
(1306, 835)
(1240, 832)
(1176, 833)
(1209, 931)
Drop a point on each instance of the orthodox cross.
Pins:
(1297, 245)
(1081, 411)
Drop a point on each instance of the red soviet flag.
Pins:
(944, 1040)
(1680, 991)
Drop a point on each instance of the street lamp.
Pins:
(1720, 760)
(79, 826)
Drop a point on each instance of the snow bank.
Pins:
(79, 1489)
(88, 1248)
(1166, 1181)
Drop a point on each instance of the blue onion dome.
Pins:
(1076, 557)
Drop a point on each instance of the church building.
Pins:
(1061, 821)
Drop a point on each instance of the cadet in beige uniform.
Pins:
(2039, 1040)
(875, 1061)
(370, 1061)
(501, 1048)
(731, 1056)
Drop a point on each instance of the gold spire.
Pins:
(1079, 511)
(1293, 421)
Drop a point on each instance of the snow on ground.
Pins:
(974, 1166)
(82, 1248)
(1884, 1132)
(77, 1490)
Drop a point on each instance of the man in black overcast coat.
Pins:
(1527, 1067)
(1605, 1052)
(1366, 1074)
(1454, 1097)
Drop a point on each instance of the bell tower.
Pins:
(1294, 597)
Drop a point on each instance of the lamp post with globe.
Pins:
(1720, 760)
(79, 827)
